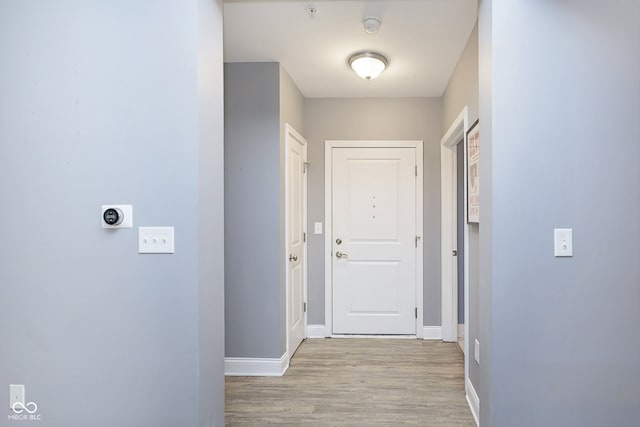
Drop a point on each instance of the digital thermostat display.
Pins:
(112, 216)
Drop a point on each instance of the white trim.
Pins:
(256, 367)
(472, 400)
(290, 132)
(315, 331)
(454, 135)
(461, 335)
(449, 263)
(328, 283)
(432, 333)
(384, 337)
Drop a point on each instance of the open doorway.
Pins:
(454, 258)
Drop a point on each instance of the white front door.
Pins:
(296, 154)
(374, 240)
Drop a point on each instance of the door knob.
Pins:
(341, 255)
(293, 257)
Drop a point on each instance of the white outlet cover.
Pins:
(563, 242)
(317, 228)
(156, 240)
(127, 212)
(16, 394)
(476, 351)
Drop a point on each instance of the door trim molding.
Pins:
(328, 208)
(290, 132)
(449, 269)
(448, 242)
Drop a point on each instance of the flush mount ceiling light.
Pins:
(367, 64)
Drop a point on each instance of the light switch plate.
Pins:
(16, 394)
(317, 228)
(476, 351)
(563, 242)
(156, 240)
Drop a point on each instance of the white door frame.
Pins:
(328, 209)
(448, 180)
(291, 133)
(449, 214)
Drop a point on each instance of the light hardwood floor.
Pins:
(357, 382)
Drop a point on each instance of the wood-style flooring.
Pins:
(357, 382)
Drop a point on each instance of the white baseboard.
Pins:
(473, 401)
(381, 337)
(315, 331)
(432, 333)
(256, 367)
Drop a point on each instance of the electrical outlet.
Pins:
(476, 351)
(16, 394)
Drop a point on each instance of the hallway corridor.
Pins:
(357, 382)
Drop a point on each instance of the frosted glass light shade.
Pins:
(368, 65)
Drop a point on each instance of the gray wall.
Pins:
(375, 118)
(103, 103)
(463, 90)
(253, 290)
(564, 104)
(259, 99)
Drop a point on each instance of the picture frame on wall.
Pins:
(473, 173)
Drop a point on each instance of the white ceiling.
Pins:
(423, 40)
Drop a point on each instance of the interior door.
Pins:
(374, 238)
(296, 225)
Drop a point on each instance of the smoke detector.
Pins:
(311, 11)
(371, 25)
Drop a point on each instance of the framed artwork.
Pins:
(473, 173)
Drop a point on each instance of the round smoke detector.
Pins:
(311, 11)
(371, 25)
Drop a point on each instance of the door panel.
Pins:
(296, 156)
(374, 205)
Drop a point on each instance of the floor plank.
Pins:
(357, 382)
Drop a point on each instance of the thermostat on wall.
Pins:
(116, 216)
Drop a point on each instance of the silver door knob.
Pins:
(293, 257)
(341, 255)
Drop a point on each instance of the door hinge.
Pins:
(304, 237)
(305, 307)
(417, 238)
(305, 167)
(416, 170)
(416, 312)
(455, 252)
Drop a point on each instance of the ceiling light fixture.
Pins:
(367, 64)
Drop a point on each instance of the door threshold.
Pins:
(401, 337)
